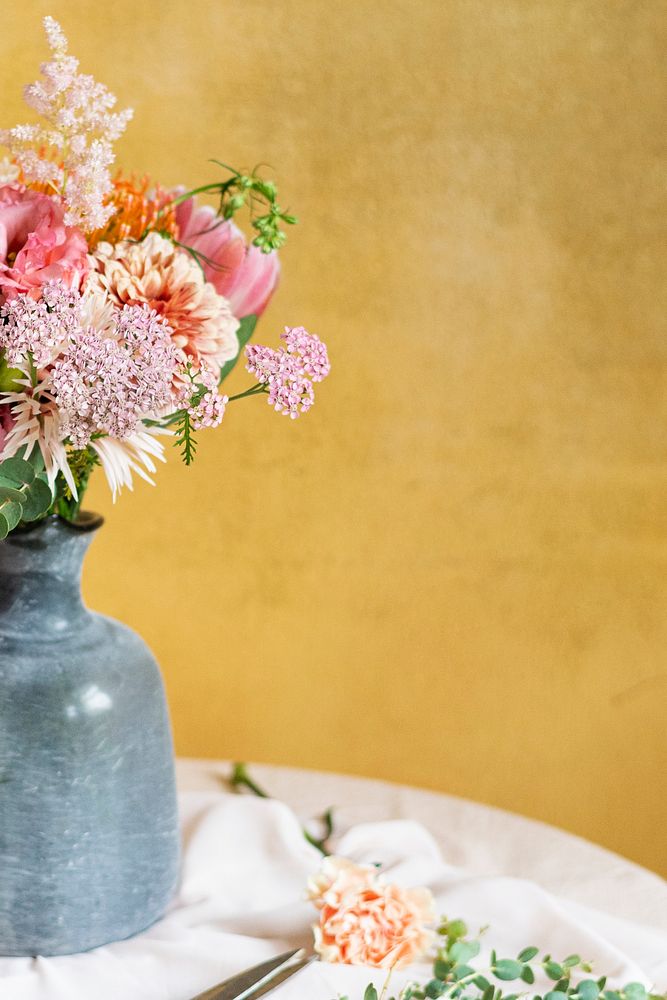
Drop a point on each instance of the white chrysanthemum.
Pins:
(135, 453)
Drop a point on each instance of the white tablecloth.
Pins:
(242, 896)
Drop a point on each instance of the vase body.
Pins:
(88, 821)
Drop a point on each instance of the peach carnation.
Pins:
(364, 921)
(169, 280)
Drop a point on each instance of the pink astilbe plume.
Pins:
(290, 372)
(72, 151)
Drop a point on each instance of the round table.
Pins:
(479, 838)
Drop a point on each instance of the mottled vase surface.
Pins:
(88, 823)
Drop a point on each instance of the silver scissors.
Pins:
(259, 980)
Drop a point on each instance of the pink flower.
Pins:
(6, 424)
(243, 274)
(364, 921)
(290, 372)
(35, 244)
(170, 282)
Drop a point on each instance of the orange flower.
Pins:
(139, 206)
(364, 921)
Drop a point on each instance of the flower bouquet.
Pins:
(123, 307)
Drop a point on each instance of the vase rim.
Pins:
(86, 521)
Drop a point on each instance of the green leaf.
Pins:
(10, 378)
(4, 527)
(10, 494)
(11, 511)
(554, 995)
(434, 988)
(634, 991)
(371, 993)
(17, 470)
(488, 993)
(588, 989)
(481, 982)
(244, 333)
(611, 995)
(441, 968)
(527, 974)
(553, 969)
(527, 954)
(461, 971)
(571, 961)
(462, 951)
(507, 969)
(37, 500)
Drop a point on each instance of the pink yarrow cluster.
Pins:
(38, 327)
(105, 382)
(289, 372)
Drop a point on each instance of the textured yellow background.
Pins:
(452, 572)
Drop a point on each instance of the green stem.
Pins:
(385, 985)
(256, 390)
(241, 779)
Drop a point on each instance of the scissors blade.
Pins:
(245, 984)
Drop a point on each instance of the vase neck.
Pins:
(40, 579)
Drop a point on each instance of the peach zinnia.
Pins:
(169, 280)
(364, 921)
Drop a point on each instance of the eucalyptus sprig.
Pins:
(454, 975)
(25, 494)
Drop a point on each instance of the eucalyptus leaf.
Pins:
(371, 993)
(635, 991)
(588, 989)
(553, 969)
(462, 951)
(4, 527)
(244, 333)
(527, 954)
(527, 974)
(37, 500)
(17, 470)
(11, 511)
(442, 968)
(507, 969)
(11, 494)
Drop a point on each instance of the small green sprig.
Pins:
(185, 436)
(239, 191)
(454, 975)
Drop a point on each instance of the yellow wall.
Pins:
(452, 572)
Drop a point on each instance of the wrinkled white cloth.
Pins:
(242, 900)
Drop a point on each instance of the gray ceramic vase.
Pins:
(88, 823)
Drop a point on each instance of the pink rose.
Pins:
(35, 244)
(244, 275)
(364, 921)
